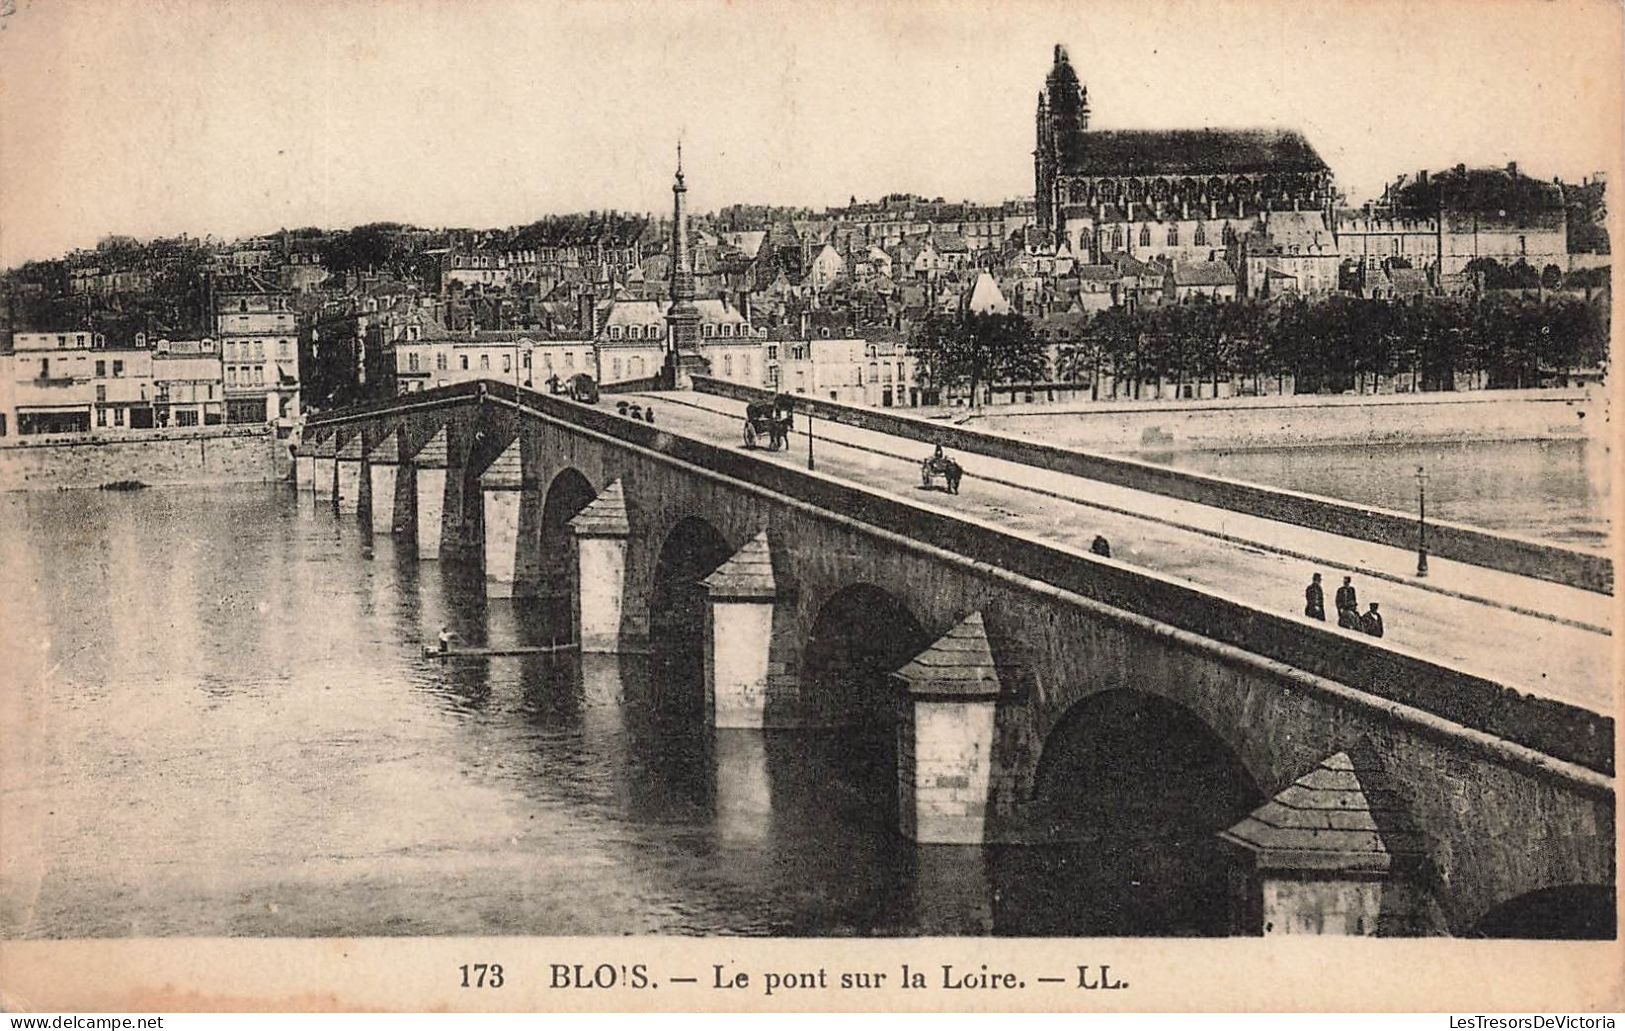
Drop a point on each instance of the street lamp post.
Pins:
(809, 438)
(1421, 521)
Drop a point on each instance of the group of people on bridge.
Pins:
(1348, 607)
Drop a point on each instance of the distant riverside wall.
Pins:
(215, 454)
(1462, 543)
(1128, 426)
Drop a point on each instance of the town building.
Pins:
(71, 383)
(431, 356)
(255, 326)
(1289, 252)
(188, 383)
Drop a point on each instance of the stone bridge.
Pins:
(1035, 692)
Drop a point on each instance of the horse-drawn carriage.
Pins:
(581, 387)
(769, 419)
(940, 466)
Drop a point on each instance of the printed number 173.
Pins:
(482, 975)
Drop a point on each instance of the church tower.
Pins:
(1063, 118)
(682, 318)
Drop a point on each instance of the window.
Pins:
(569, 359)
(728, 365)
(1173, 236)
(101, 417)
(1200, 236)
(231, 374)
(101, 392)
(654, 331)
(440, 361)
(259, 375)
(412, 361)
(1083, 239)
(118, 368)
(707, 330)
(507, 363)
(259, 349)
(1145, 236)
(463, 362)
(633, 332)
(281, 348)
(101, 369)
(118, 417)
(614, 332)
(485, 360)
(772, 352)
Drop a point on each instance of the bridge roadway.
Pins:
(1541, 638)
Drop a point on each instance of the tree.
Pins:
(975, 349)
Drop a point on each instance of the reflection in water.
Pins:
(226, 728)
(1556, 489)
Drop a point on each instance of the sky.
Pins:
(224, 118)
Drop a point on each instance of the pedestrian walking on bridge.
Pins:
(1371, 622)
(1346, 600)
(1314, 600)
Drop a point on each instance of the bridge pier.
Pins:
(1335, 853)
(383, 463)
(505, 493)
(348, 477)
(945, 734)
(601, 531)
(429, 481)
(304, 469)
(324, 469)
(738, 650)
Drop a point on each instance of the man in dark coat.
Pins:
(1314, 599)
(1371, 622)
(1346, 600)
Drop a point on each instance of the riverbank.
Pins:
(1233, 424)
(204, 455)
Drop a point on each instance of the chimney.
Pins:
(1212, 208)
(1131, 211)
(1512, 168)
(1184, 209)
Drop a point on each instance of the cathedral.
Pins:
(1184, 195)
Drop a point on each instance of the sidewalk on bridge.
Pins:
(1318, 549)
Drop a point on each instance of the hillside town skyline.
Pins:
(835, 111)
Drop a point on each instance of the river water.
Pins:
(1556, 490)
(218, 723)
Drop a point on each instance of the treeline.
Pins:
(1341, 343)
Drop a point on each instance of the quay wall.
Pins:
(1456, 541)
(1307, 421)
(154, 457)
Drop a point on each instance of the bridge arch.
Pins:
(566, 496)
(1569, 911)
(1144, 765)
(678, 605)
(861, 634)
(1131, 790)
